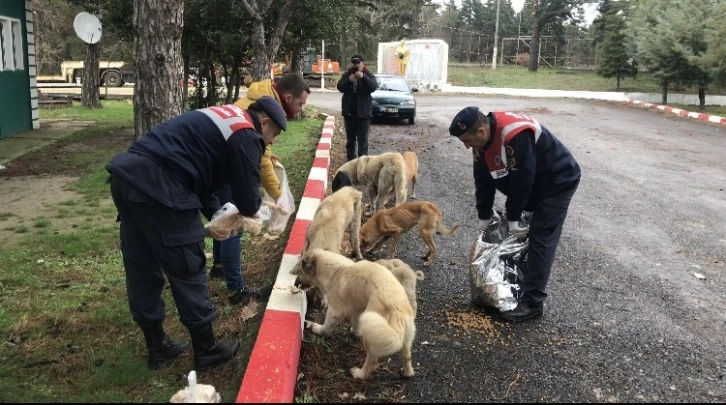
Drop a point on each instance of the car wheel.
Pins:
(411, 121)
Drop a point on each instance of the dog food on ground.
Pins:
(473, 322)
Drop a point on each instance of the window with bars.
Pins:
(11, 45)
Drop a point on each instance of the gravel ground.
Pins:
(626, 319)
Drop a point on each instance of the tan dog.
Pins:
(371, 297)
(339, 211)
(394, 222)
(383, 175)
(406, 276)
(411, 170)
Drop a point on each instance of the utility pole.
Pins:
(496, 38)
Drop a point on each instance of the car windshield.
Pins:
(393, 84)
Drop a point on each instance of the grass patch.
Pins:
(114, 112)
(41, 222)
(553, 79)
(6, 215)
(63, 304)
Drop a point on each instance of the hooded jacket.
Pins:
(268, 178)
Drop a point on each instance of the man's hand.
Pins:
(274, 159)
(515, 230)
(358, 74)
(352, 78)
(484, 224)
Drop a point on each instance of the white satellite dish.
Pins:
(88, 27)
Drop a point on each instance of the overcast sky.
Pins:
(590, 9)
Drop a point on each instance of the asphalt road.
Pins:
(626, 319)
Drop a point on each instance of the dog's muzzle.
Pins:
(301, 284)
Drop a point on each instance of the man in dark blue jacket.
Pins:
(159, 187)
(519, 157)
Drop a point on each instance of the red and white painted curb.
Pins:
(271, 374)
(683, 113)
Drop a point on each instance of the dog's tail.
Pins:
(441, 229)
(419, 275)
(382, 338)
(400, 185)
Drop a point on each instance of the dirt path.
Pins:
(626, 320)
(22, 199)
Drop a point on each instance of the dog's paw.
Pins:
(318, 329)
(407, 372)
(355, 332)
(357, 373)
(311, 325)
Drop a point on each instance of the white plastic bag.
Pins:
(196, 393)
(280, 212)
(227, 222)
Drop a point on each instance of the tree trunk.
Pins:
(618, 85)
(260, 61)
(158, 26)
(211, 86)
(416, 26)
(534, 44)
(185, 88)
(664, 87)
(263, 52)
(230, 85)
(296, 65)
(343, 54)
(236, 78)
(91, 92)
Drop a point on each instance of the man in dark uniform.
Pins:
(159, 186)
(519, 157)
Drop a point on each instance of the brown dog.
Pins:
(411, 170)
(393, 222)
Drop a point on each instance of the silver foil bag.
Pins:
(497, 260)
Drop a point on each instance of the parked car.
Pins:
(394, 98)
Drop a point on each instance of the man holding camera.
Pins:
(357, 84)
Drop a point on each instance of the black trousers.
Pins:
(545, 228)
(157, 241)
(356, 131)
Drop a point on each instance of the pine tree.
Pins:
(616, 61)
(715, 58)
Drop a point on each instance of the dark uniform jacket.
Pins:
(180, 162)
(357, 103)
(525, 162)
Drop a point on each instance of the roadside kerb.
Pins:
(683, 113)
(271, 373)
(587, 95)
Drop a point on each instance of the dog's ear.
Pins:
(336, 182)
(308, 264)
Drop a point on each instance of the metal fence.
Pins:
(467, 47)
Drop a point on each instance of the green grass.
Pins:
(554, 79)
(41, 222)
(6, 215)
(114, 112)
(63, 303)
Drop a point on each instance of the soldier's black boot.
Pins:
(208, 353)
(523, 312)
(160, 346)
